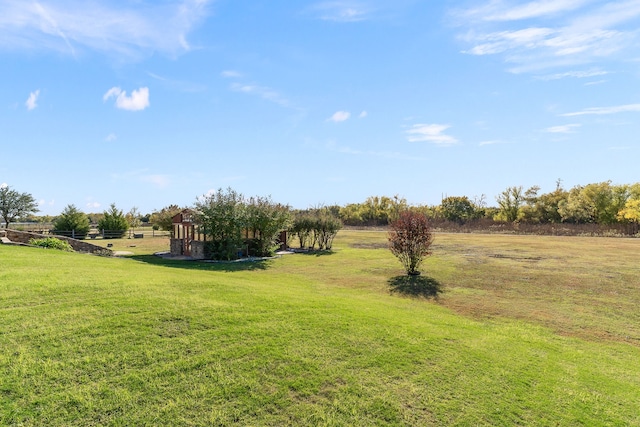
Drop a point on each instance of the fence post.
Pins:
(73, 233)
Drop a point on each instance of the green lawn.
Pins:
(499, 330)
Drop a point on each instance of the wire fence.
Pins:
(93, 233)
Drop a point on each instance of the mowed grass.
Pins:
(499, 330)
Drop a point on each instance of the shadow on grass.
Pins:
(231, 266)
(317, 252)
(415, 286)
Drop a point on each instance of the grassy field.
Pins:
(499, 330)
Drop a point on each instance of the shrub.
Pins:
(410, 237)
(72, 223)
(113, 224)
(52, 243)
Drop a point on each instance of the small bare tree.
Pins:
(410, 237)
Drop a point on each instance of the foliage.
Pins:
(52, 243)
(222, 217)
(15, 205)
(458, 209)
(133, 218)
(113, 224)
(164, 217)
(410, 238)
(72, 220)
(594, 203)
(544, 208)
(318, 226)
(265, 220)
(630, 212)
(509, 203)
(374, 211)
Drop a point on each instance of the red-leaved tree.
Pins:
(410, 237)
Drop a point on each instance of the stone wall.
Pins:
(77, 245)
(197, 249)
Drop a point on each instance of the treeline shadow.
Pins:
(415, 286)
(230, 266)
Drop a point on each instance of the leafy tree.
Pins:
(325, 228)
(133, 219)
(15, 205)
(164, 217)
(544, 208)
(222, 216)
(265, 220)
(72, 223)
(594, 203)
(509, 202)
(630, 212)
(458, 209)
(410, 238)
(113, 224)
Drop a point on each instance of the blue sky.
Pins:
(150, 103)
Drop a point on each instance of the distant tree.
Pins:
(544, 208)
(164, 217)
(595, 203)
(630, 212)
(509, 202)
(133, 219)
(72, 223)
(410, 239)
(113, 224)
(457, 209)
(15, 205)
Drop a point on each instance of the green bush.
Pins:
(72, 223)
(52, 243)
(114, 224)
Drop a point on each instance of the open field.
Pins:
(499, 330)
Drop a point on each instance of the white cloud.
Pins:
(605, 110)
(574, 74)
(261, 91)
(122, 29)
(340, 116)
(93, 205)
(341, 11)
(576, 32)
(430, 133)
(111, 137)
(32, 101)
(502, 11)
(563, 128)
(139, 99)
(4, 185)
(491, 142)
(363, 115)
(230, 74)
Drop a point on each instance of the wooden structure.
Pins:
(186, 239)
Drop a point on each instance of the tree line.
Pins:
(602, 203)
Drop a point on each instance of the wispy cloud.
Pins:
(231, 74)
(340, 116)
(430, 133)
(111, 137)
(605, 110)
(32, 101)
(393, 155)
(341, 11)
(261, 91)
(491, 142)
(363, 115)
(109, 27)
(139, 99)
(570, 128)
(574, 74)
(575, 32)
